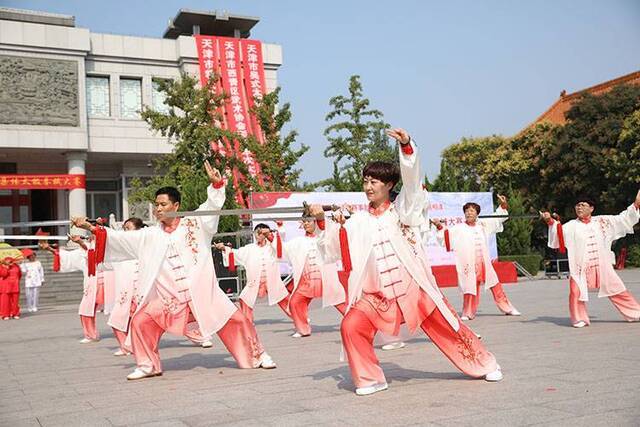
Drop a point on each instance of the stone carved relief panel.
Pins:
(38, 91)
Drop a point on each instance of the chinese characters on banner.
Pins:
(41, 182)
(241, 69)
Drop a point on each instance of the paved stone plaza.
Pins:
(554, 374)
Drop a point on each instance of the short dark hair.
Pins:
(137, 222)
(586, 199)
(261, 225)
(172, 193)
(471, 205)
(383, 171)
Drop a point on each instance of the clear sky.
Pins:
(441, 69)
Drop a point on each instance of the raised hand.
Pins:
(77, 240)
(45, 246)
(400, 135)
(220, 246)
(637, 201)
(545, 216)
(339, 217)
(502, 201)
(81, 222)
(214, 174)
(316, 211)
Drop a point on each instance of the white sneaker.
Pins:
(16, 317)
(139, 374)
(514, 312)
(266, 362)
(299, 335)
(364, 391)
(207, 344)
(464, 318)
(86, 340)
(494, 376)
(580, 324)
(394, 346)
(121, 353)
(35, 309)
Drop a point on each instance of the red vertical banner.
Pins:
(209, 61)
(253, 71)
(240, 66)
(208, 57)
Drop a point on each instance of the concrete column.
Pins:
(77, 197)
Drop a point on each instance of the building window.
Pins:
(130, 98)
(158, 98)
(98, 104)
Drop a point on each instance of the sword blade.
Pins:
(18, 237)
(523, 216)
(51, 223)
(230, 212)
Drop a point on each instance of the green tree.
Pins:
(467, 165)
(595, 153)
(356, 136)
(192, 123)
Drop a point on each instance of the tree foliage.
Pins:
(356, 136)
(192, 123)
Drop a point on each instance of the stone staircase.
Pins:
(58, 288)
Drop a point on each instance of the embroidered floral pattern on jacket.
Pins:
(171, 306)
(123, 297)
(605, 225)
(192, 241)
(409, 234)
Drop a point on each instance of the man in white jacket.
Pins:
(469, 243)
(390, 281)
(588, 240)
(177, 282)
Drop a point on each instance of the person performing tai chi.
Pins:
(127, 295)
(83, 260)
(177, 282)
(260, 260)
(312, 277)
(468, 241)
(390, 281)
(33, 278)
(587, 240)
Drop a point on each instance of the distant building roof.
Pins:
(211, 23)
(37, 17)
(556, 113)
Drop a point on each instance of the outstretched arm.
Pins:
(411, 200)
(215, 199)
(119, 245)
(622, 224)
